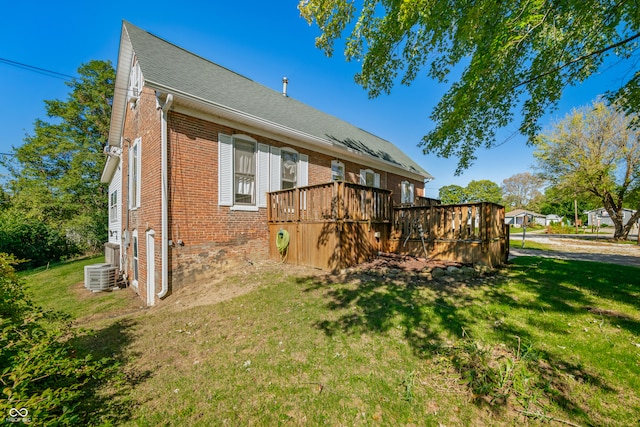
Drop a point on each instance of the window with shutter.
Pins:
(247, 170)
(369, 178)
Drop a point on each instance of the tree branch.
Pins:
(578, 59)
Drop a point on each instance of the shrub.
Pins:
(33, 240)
(40, 369)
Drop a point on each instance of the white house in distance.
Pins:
(516, 218)
(554, 219)
(599, 217)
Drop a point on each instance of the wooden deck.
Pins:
(338, 224)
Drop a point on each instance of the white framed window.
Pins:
(407, 192)
(113, 206)
(276, 173)
(369, 178)
(135, 266)
(134, 174)
(337, 170)
(135, 83)
(288, 168)
(247, 170)
(244, 172)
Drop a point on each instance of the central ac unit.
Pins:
(100, 277)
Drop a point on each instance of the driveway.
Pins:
(581, 248)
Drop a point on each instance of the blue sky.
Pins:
(263, 40)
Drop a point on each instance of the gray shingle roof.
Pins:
(166, 65)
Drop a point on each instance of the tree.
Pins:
(43, 368)
(594, 150)
(563, 202)
(55, 174)
(522, 191)
(452, 194)
(507, 54)
(474, 192)
(483, 190)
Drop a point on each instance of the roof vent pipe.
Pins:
(285, 82)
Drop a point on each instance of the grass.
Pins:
(529, 244)
(544, 340)
(61, 287)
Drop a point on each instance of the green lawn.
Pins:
(61, 287)
(542, 341)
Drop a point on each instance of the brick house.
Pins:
(193, 150)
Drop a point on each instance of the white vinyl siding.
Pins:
(115, 211)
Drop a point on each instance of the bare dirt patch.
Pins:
(405, 264)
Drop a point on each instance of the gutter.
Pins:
(165, 199)
(321, 144)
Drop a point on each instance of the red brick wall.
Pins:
(206, 238)
(143, 121)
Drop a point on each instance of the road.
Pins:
(581, 247)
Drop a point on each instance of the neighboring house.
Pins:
(553, 219)
(193, 150)
(517, 217)
(599, 217)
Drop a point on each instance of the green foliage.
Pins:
(496, 373)
(452, 194)
(483, 191)
(560, 201)
(31, 239)
(594, 150)
(55, 174)
(522, 191)
(475, 192)
(507, 55)
(40, 369)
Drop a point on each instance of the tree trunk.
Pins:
(617, 215)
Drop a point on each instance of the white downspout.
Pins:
(165, 199)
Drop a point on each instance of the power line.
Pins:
(38, 70)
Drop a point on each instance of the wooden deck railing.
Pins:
(339, 224)
(467, 233)
(332, 201)
(477, 221)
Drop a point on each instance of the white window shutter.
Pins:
(225, 170)
(275, 169)
(412, 193)
(263, 174)
(139, 182)
(303, 170)
(376, 180)
(363, 177)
